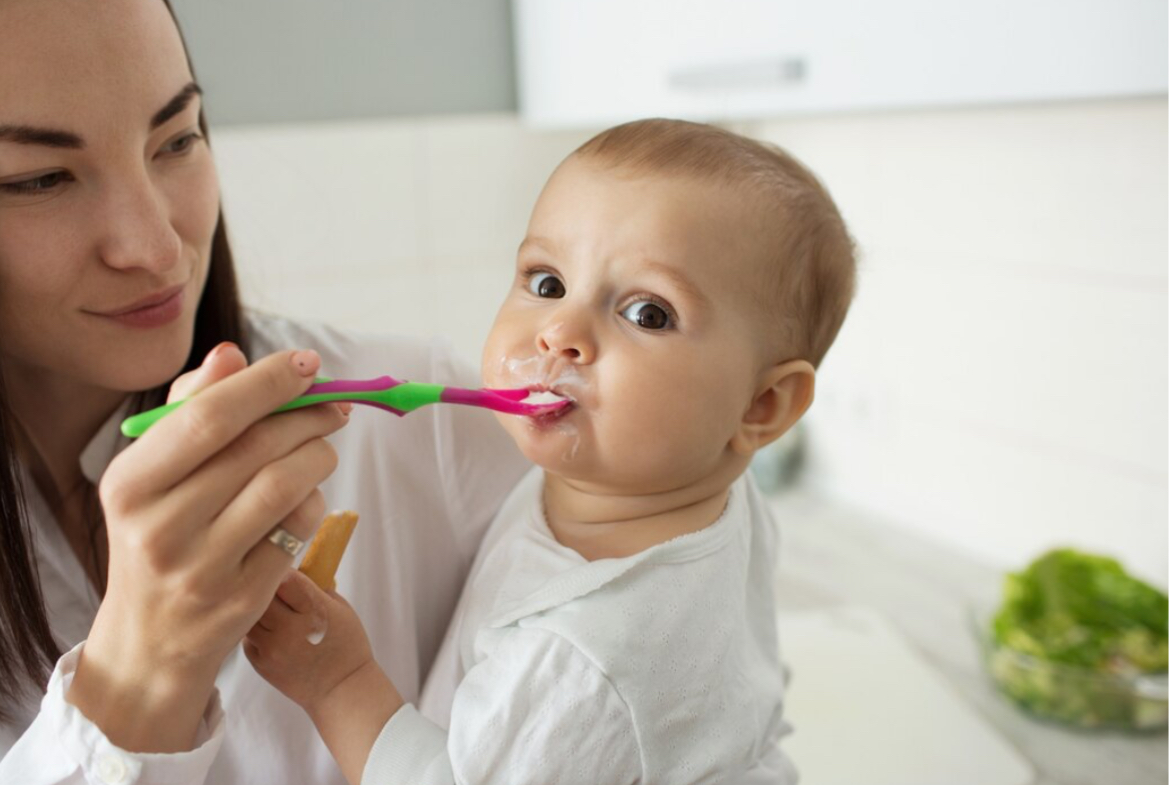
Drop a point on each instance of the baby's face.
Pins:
(632, 298)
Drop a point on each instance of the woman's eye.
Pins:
(546, 285)
(37, 185)
(648, 315)
(182, 144)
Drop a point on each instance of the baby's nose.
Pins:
(548, 347)
(565, 342)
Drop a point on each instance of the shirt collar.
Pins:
(591, 576)
(105, 444)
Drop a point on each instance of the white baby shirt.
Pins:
(662, 667)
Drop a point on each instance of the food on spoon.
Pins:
(543, 398)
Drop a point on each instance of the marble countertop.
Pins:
(832, 555)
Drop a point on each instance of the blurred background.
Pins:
(1001, 382)
(1000, 386)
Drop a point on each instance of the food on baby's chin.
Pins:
(327, 547)
(543, 397)
(1077, 637)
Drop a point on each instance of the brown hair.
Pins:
(27, 649)
(810, 265)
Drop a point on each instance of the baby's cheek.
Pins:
(649, 430)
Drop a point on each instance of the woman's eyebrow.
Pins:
(50, 137)
(175, 105)
(25, 134)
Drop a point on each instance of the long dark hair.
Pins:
(27, 649)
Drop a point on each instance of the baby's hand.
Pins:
(308, 642)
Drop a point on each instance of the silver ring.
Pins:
(285, 541)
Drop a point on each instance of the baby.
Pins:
(678, 284)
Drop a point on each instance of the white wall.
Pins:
(408, 226)
(1000, 384)
(1002, 381)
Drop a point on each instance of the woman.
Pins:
(116, 277)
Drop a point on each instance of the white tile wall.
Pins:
(406, 226)
(1001, 382)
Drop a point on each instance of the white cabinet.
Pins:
(596, 62)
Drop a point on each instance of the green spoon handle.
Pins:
(401, 398)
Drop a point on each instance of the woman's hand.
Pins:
(188, 509)
(311, 646)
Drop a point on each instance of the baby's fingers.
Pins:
(277, 617)
(296, 613)
(298, 592)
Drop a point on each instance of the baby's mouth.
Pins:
(541, 395)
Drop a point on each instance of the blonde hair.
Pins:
(810, 264)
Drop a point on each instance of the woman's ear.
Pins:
(783, 395)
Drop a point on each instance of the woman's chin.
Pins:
(157, 366)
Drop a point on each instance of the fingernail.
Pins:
(306, 362)
(217, 351)
(345, 407)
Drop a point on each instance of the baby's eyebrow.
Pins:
(536, 242)
(677, 279)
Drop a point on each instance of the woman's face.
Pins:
(108, 193)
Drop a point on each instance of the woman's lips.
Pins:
(154, 311)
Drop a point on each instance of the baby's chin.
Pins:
(567, 455)
(553, 443)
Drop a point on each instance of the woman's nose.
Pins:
(137, 230)
(567, 339)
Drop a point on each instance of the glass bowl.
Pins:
(1067, 694)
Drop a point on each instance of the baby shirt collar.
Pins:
(591, 576)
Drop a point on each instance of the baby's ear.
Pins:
(783, 395)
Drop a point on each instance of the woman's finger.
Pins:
(211, 488)
(183, 440)
(265, 564)
(221, 362)
(283, 493)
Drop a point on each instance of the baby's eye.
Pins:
(546, 285)
(648, 315)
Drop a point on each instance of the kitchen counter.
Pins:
(832, 555)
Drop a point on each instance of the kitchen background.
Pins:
(1000, 386)
(1001, 382)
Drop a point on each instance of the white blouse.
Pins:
(662, 667)
(425, 485)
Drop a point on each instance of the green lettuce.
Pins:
(1080, 618)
